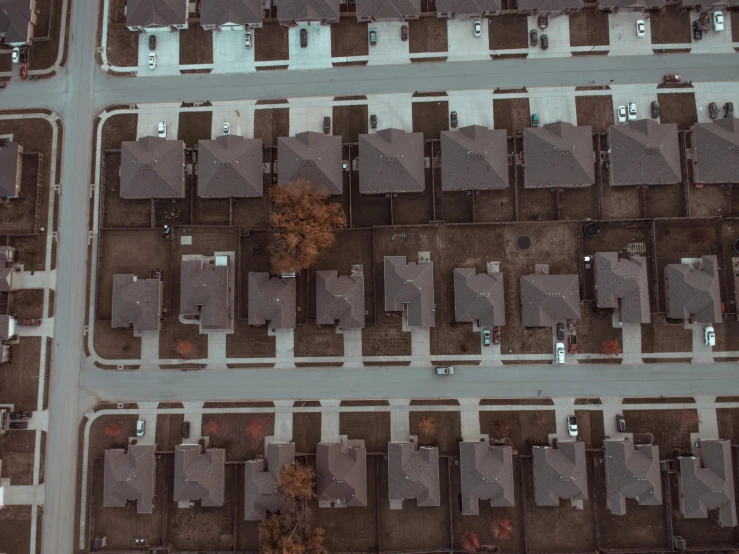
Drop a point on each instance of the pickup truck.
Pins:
(21, 415)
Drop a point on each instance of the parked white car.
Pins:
(621, 114)
(632, 111)
(16, 55)
(559, 353)
(718, 21)
(226, 128)
(571, 426)
(709, 335)
(247, 40)
(162, 128)
(140, 427)
(641, 28)
(152, 60)
(478, 28)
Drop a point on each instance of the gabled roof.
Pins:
(634, 4)
(10, 168)
(153, 167)
(136, 302)
(550, 5)
(546, 299)
(644, 152)
(692, 290)
(391, 161)
(261, 496)
(410, 286)
(15, 17)
(156, 13)
(271, 299)
(308, 10)
(487, 474)
(479, 297)
(236, 12)
(340, 299)
(129, 476)
(632, 471)
(341, 475)
(6, 279)
(623, 282)
(413, 474)
(467, 7)
(314, 157)
(199, 474)
(474, 158)
(388, 9)
(204, 292)
(560, 473)
(558, 155)
(230, 167)
(7, 255)
(716, 151)
(709, 487)
(6, 322)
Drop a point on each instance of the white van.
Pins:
(709, 336)
(559, 353)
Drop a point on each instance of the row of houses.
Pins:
(705, 480)
(392, 161)
(166, 15)
(8, 260)
(692, 291)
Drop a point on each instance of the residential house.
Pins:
(479, 297)
(692, 290)
(153, 167)
(560, 473)
(271, 299)
(17, 22)
(644, 153)
(409, 288)
(136, 302)
(8, 256)
(341, 474)
(230, 167)
(487, 474)
(340, 300)
(292, 11)
(148, 16)
(204, 291)
(129, 477)
(550, 6)
(314, 157)
(388, 10)
(199, 475)
(11, 162)
(472, 9)
(474, 158)
(621, 283)
(632, 471)
(230, 15)
(7, 327)
(391, 161)
(558, 155)
(261, 495)
(714, 151)
(630, 5)
(413, 473)
(547, 299)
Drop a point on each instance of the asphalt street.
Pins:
(81, 91)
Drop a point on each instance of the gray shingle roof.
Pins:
(413, 474)
(632, 471)
(261, 496)
(237, 12)
(271, 299)
(644, 152)
(5, 321)
(388, 9)
(709, 487)
(199, 474)
(716, 151)
(391, 161)
(156, 13)
(312, 156)
(550, 5)
(479, 297)
(136, 302)
(634, 4)
(129, 475)
(692, 290)
(341, 475)
(15, 18)
(153, 167)
(6, 279)
(546, 299)
(560, 473)
(340, 299)
(204, 292)
(623, 282)
(474, 158)
(467, 7)
(7, 255)
(558, 155)
(410, 286)
(230, 166)
(10, 169)
(487, 474)
(308, 10)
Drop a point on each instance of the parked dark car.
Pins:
(152, 42)
(496, 334)
(729, 109)
(373, 121)
(21, 415)
(185, 429)
(544, 42)
(18, 425)
(303, 38)
(453, 117)
(713, 110)
(655, 109)
(543, 21)
(672, 78)
(560, 331)
(697, 31)
(620, 423)
(327, 125)
(404, 33)
(533, 37)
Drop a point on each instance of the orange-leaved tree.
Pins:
(469, 541)
(611, 347)
(502, 529)
(427, 426)
(303, 222)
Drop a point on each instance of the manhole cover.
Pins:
(591, 229)
(523, 242)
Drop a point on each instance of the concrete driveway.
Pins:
(705, 93)
(389, 48)
(713, 42)
(229, 53)
(306, 114)
(239, 114)
(622, 35)
(474, 107)
(318, 52)
(641, 95)
(167, 51)
(462, 43)
(152, 114)
(553, 104)
(392, 110)
(558, 32)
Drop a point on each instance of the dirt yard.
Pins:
(372, 427)
(442, 429)
(169, 430)
(621, 202)
(371, 209)
(117, 129)
(349, 38)
(596, 111)
(306, 432)
(117, 212)
(589, 27)
(670, 27)
(271, 123)
(115, 344)
(427, 34)
(430, 118)
(678, 108)
(508, 32)
(660, 336)
(242, 435)
(18, 216)
(19, 377)
(350, 122)
(122, 44)
(196, 45)
(521, 427)
(16, 450)
(670, 428)
(511, 114)
(271, 43)
(249, 342)
(710, 201)
(194, 126)
(665, 201)
(15, 528)
(44, 54)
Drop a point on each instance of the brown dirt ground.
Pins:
(596, 111)
(427, 34)
(579, 203)
(210, 211)
(27, 303)
(115, 344)
(728, 424)
(271, 43)
(659, 336)
(373, 427)
(430, 118)
(734, 26)
(100, 442)
(665, 201)
(232, 435)
(6, 62)
(589, 27)
(710, 201)
(253, 213)
(350, 122)
(670, 27)
(306, 432)
(508, 32)
(349, 38)
(249, 342)
(523, 427)
(18, 215)
(511, 114)
(43, 54)
(620, 202)
(448, 430)
(269, 124)
(368, 210)
(414, 208)
(595, 328)
(385, 337)
(173, 332)
(123, 45)
(452, 207)
(19, 377)
(678, 108)
(15, 527)
(590, 428)
(414, 528)
(169, 430)
(16, 449)
(194, 126)
(119, 128)
(43, 19)
(670, 428)
(175, 211)
(196, 46)
(119, 212)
